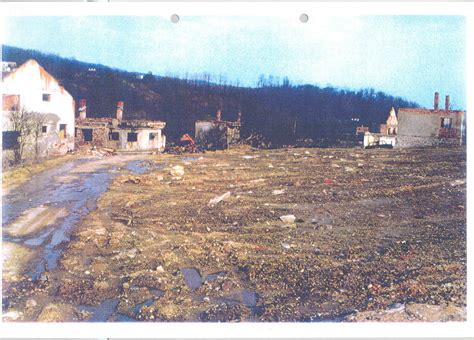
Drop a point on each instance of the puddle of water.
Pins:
(142, 167)
(80, 205)
(36, 241)
(189, 158)
(77, 197)
(396, 307)
(230, 301)
(337, 318)
(102, 312)
(214, 276)
(146, 303)
(192, 277)
(157, 293)
(249, 298)
(39, 190)
(137, 167)
(122, 318)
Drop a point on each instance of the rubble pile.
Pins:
(99, 151)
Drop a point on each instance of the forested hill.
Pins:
(282, 112)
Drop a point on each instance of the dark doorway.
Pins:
(114, 136)
(132, 137)
(62, 130)
(87, 133)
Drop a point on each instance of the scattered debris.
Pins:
(217, 199)
(31, 303)
(396, 307)
(101, 152)
(58, 313)
(11, 315)
(458, 182)
(288, 219)
(137, 238)
(177, 172)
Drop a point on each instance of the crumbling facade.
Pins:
(117, 133)
(217, 133)
(431, 127)
(388, 133)
(415, 127)
(31, 89)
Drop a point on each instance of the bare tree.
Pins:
(37, 122)
(21, 123)
(27, 125)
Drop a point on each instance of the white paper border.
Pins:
(256, 330)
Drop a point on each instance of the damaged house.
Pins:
(37, 112)
(218, 133)
(387, 135)
(415, 127)
(117, 133)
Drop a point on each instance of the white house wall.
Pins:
(31, 81)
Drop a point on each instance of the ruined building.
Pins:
(117, 133)
(387, 135)
(431, 127)
(31, 89)
(415, 127)
(218, 133)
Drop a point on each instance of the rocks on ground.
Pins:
(414, 312)
(59, 313)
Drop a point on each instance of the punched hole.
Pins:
(304, 18)
(174, 18)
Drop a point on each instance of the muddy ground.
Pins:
(376, 235)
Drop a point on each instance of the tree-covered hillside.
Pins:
(282, 112)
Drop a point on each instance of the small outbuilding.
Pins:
(217, 133)
(119, 134)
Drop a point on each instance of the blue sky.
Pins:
(407, 56)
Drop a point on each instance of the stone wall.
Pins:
(100, 136)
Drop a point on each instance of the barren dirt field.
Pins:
(368, 235)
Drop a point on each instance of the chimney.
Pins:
(82, 109)
(436, 101)
(239, 116)
(446, 103)
(218, 115)
(119, 111)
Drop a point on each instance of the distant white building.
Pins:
(8, 66)
(29, 87)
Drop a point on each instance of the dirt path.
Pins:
(39, 216)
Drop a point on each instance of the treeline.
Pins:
(275, 108)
